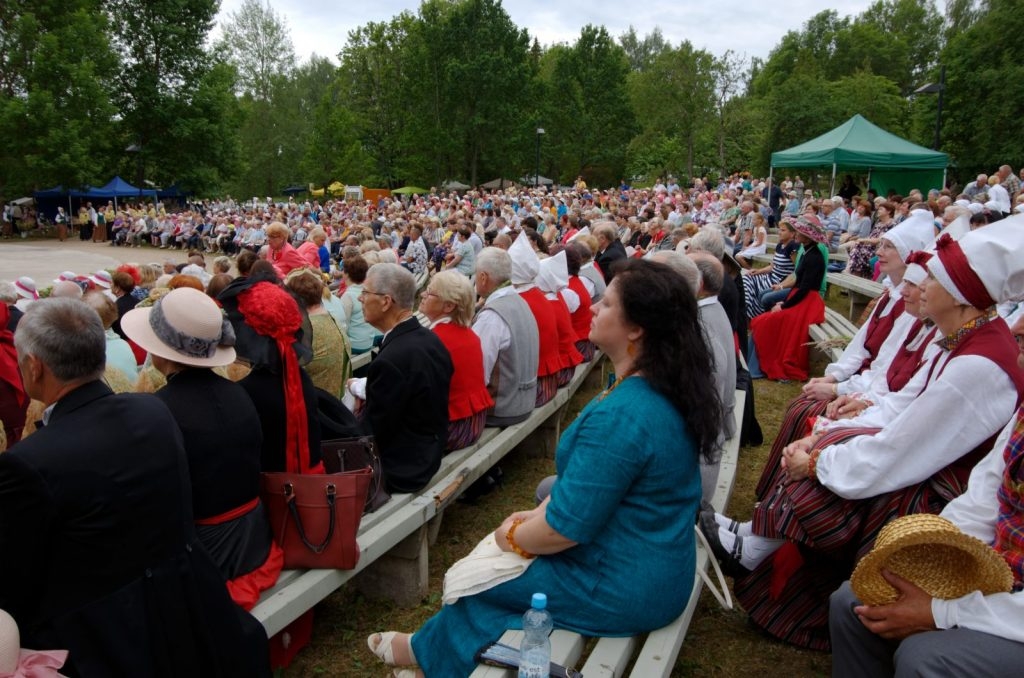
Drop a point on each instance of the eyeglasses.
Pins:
(363, 293)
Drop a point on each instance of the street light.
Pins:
(936, 88)
(536, 177)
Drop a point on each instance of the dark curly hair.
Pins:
(675, 359)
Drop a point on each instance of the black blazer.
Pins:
(100, 554)
(223, 439)
(265, 387)
(407, 404)
(616, 251)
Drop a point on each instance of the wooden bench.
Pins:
(395, 538)
(833, 332)
(610, 657)
(861, 290)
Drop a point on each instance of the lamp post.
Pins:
(936, 88)
(536, 177)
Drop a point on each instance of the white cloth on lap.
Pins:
(485, 567)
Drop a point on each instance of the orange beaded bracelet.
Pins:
(510, 538)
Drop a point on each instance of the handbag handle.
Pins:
(289, 497)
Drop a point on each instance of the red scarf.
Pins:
(271, 312)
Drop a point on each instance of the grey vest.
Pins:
(514, 379)
(591, 274)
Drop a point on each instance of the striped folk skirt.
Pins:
(466, 431)
(586, 349)
(795, 425)
(564, 376)
(547, 387)
(787, 595)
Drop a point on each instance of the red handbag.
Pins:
(315, 518)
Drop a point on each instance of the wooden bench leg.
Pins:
(543, 440)
(399, 575)
(433, 527)
(595, 380)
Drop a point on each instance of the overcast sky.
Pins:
(322, 26)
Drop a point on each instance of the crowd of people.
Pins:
(480, 307)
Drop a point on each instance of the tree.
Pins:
(57, 123)
(981, 112)
(676, 96)
(592, 121)
(730, 74)
(257, 42)
(642, 52)
(163, 66)
(372, 78)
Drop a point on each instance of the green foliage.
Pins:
(255, 41)
(56, 117)
(164, 71)
(983, 101)
(590, 117)
(455, 90)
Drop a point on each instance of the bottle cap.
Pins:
(540, 601)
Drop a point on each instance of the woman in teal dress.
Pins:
(616, 532)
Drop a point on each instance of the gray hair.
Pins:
(8, 293)
(394, 281)
(66, 335)
(66, 288)
(708, 240)
(496, 263)
(682, 265)
(712, 273)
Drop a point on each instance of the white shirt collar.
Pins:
(707, 301)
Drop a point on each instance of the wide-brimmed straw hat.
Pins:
(811, 227)
(185, 326)
(933, 554)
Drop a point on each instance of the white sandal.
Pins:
(382, 645)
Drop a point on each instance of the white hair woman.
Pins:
(448, 304)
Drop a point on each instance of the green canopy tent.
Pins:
(409, 190)
(892, 163)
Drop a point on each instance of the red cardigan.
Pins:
(566, 334)
(467, 393)
(582, 316)
(547, 327)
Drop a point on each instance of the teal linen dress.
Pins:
(628, 492)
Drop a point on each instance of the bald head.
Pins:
(712, 273)
(66, 289)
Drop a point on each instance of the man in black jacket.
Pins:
(407, 383)
(610, 250)
(96, 524)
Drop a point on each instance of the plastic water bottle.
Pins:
(535, 651)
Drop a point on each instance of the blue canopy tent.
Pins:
(114, 189)
(48, 199)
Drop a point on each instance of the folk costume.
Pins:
(916, 462)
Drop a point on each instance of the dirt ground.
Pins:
(43, 259)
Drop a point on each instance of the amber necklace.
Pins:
(604, 393)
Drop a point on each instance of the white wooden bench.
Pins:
(394, 539)
(834, 334)
(610, 657)
(861, 290)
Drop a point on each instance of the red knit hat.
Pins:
(273, 313)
